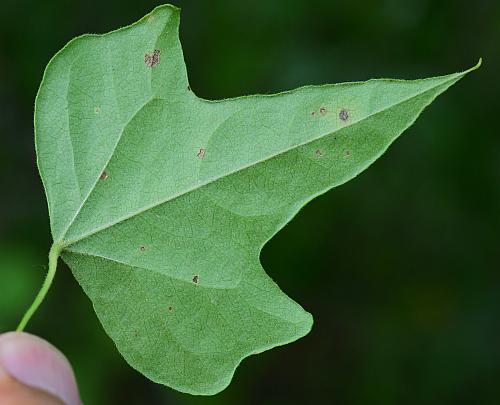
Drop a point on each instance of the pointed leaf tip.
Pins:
(475, 67)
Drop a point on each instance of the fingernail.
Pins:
(35, 362)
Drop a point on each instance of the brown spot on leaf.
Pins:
(104, 175)
(201, 153)
(322, 110)
(347, 153)
(344, 115)
(318, 153)
(152, 59)
(196, 279)
(313, 113)
(170, 309)
(97, 110)
(142, 248)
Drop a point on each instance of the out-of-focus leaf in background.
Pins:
(17, 265)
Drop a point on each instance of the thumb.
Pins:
(35, 363)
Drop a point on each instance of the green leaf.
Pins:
(160, 202)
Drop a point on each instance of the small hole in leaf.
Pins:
(152, 59)
(318, 153)
(104, 175)
(189, 88)
(347, 153)
(322, 110)
(313, 113)
(344, 115)
(142, 248)
(201, 153)
(170, 309)
(97, 110)
(196, 279)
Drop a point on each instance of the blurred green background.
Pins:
(400, 267)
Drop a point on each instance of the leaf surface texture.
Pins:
(163, 201)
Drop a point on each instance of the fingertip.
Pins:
(36, 363)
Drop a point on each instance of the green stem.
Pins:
(54, 253)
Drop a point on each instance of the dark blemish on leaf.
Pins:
(152, 59)
(322, 110)
(313, 113)
(142, 248)
(318, 153)
(201, 153)
(344, 114)
(170, 309)
(97, 110)
(347, 153)
(104, 175)
(196, 279)
(189, 88)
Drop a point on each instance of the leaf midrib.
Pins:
(151, 98)
(151, 269)
(65, 244)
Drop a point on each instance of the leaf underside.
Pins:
(162, 201)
